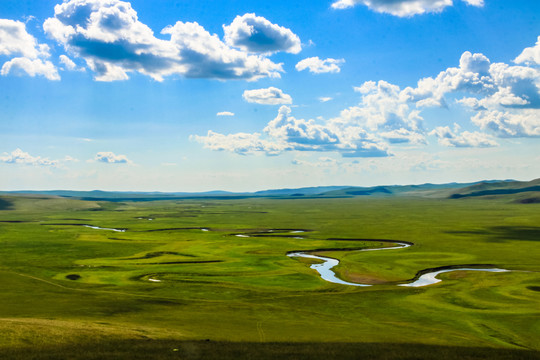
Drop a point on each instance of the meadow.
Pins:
(172, 279)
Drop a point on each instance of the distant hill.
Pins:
(403, 190)
(318, 190)
(529, 189)
(97, 195)
(523, 192)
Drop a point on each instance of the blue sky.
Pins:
(244, 95)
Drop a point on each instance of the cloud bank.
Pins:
(18, 156)
(503, 100)
(403, 8)
(450, 138)
(108, 35)
(286, 133)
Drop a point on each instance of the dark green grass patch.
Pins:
(219, 350)
(5, 204)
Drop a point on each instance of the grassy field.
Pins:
(168, 288)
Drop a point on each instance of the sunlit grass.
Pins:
(67, 284)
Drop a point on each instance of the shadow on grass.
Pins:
(210, 350)
(5, 204)
(503, 233)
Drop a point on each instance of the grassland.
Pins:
(166, 288)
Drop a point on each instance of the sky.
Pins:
(237, 95)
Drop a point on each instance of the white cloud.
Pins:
(450, 138)
(225, 113)
(325, 99)
(404, 136)
(20, 157)
(69, 64)
(506, 100)
(472, 76)
(255, 34)
(268, 96)
(318, 66)
(382, 108)
(286, 133)
(15, 40)
(475, 2)
(530, 55)
(111, 158)
(108, 35)
(525, 123)
(240, 143)
(497, 83)
(301, 132)
(202, 55)
(31, 67)
(402, 8)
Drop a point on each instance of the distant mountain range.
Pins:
(525, 192)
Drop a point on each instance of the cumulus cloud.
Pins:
(111, 158)
(451, 138)
(225, 113)
(202, 55)
(108, 35)
(14, 39)
(530, 55)
(268, 96)
(506, 98)
(325, 99)
(404, 136)
(472, 76)
(240, 143)
(383, 107)
(318, 66)
(524, 123)
(18, 156)
(255, 34)
(30, 67)
(300, 132)
(286, 133)
(31, 56)
(402, 8)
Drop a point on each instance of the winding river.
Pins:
(431, 277)
(325, 268)
(427, 278)
(423, 278)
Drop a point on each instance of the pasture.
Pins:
(201, 278)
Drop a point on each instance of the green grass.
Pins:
(248, 297)
(210, 350)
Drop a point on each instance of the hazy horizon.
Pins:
(180, 191)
